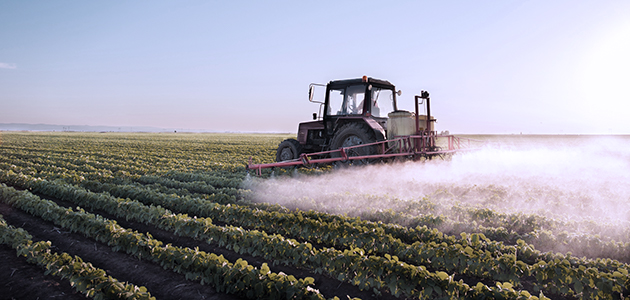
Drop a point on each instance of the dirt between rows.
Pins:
(28, 281)
(21, 280)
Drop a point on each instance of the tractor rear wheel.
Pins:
(289, 149)
(354, 134)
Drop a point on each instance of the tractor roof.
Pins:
(346, 82)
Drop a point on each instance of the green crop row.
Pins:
(109, 166)
(473, 255)
(155, 153)
(51, 171)
(193, 186)
(85, 278)
(536, 230)
(502, 225)
(318, 221)
(196, 183)
(523, 251)
(495, 270)
(237, 278)
(232, 180)
(352, 265)
(458, 257)
(614, 249)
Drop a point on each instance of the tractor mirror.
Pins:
(399, 92)
(311, 88)
(311, 93)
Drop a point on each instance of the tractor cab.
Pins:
(353, 111)
(365, 97)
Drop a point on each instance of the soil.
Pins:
(21, 280)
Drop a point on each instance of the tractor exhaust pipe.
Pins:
(419, 144)
(423, 95)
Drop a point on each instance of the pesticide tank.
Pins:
(400, 122)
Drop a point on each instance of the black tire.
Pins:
(289, 149)
(353, 134)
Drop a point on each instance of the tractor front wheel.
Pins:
(289, 149)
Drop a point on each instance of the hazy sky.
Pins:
(490, 66)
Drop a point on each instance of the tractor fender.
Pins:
(379, 132)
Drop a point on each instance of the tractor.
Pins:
(359, 122)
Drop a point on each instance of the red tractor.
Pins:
(359, 122)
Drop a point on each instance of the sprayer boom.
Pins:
(400, 148)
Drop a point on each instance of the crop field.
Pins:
(177, 216)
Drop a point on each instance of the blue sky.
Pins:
(552, 67)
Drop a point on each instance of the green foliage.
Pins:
(85, 278)
(192, 186)
(236, 278)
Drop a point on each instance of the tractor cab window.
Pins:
(382, 102)
(346, 101)
(354, 99)
(335, 98)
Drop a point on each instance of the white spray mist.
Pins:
(564, 178)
